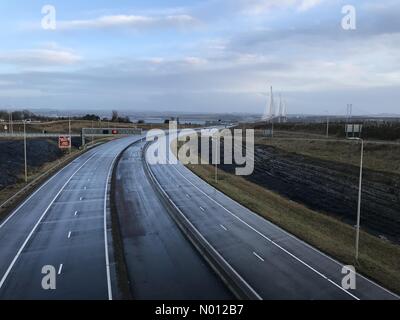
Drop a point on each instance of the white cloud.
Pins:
(39, 57)
(308, 4)
(128, 21)
(263, 6)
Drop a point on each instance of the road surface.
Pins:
(63, 224)
(161, 263)
(275, 264)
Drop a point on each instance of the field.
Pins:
(372, 130)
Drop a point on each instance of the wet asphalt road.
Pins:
(274, 263)
(62, 225)
(161, 262)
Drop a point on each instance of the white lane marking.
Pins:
(187, 195)
(76, 213)
(69, 235)
(204, 239)
(110, 296)
(84, 188)
(223, 227)
(320, 252)
(38, 223)
(60, 269)
(268, 239)
(202, 209)
(258, 257)
(41, 187)
(80, 199)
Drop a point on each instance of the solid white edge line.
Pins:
(202, 237)
(107, 258)
(110, 296)
(40, 188)
(4, 278)
(265, 237)
(316, 250)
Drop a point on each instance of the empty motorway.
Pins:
(269, 262)
(182, 239)
(63, 224)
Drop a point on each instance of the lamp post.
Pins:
(327, 124)
(25, 157)
(359, 195)
(69, 134)
(215, 138)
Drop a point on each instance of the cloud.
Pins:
(262, 6)
(129, 21)
(39, 57)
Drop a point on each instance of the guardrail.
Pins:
(240, 288)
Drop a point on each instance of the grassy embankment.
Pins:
(37, 176)
(379, 259)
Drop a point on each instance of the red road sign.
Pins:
(64, 142)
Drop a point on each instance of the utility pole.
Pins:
(272, 128)
(359, 197)
(11, 123)
(69, 134)
(25, 157)
(327, 125)
(215, 138)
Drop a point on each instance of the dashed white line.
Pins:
(268, 239)
(76, 213)
(60, 269)
(187, 195)
(80, 199)
(69, 235)
(258, 257)
(202, 209)
(223, 227)
(3, 279)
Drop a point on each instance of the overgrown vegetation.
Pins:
(377, 130)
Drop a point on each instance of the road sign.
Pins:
(353, 130)
(64, 142)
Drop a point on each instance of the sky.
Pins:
(201, 55)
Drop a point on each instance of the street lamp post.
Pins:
(359, 196)
(216, 159)
(69, 133)
(327, 125)
(25, 157)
